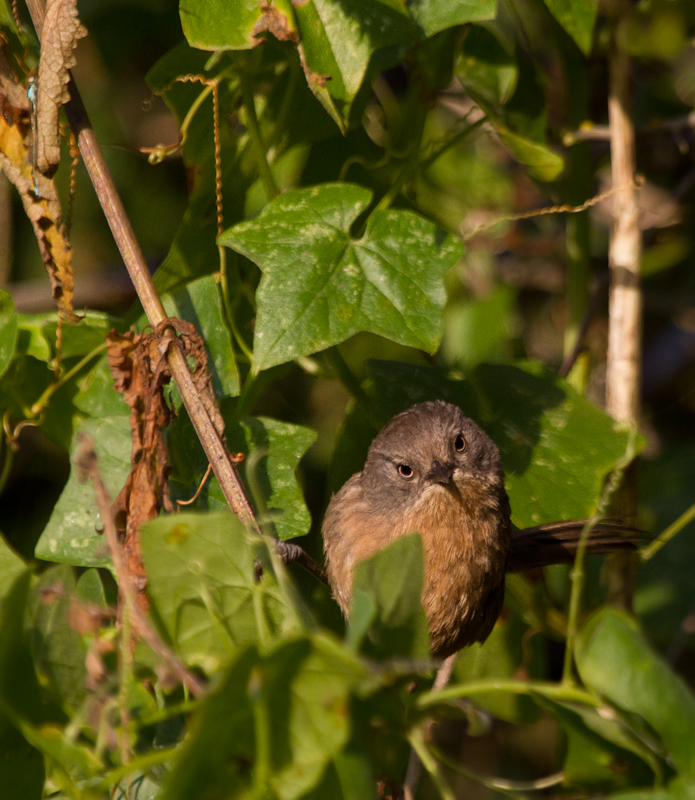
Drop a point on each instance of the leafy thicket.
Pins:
(347, 163)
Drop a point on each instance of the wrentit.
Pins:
(433, 471)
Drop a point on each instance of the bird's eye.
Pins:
(405, 472)
(459, 444)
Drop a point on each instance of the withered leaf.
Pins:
(61, 30)
(140, 371)
(43, 206)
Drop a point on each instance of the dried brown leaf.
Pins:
(43, 206)
(61, 30)
(140, 371)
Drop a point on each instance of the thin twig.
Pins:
(86, 462)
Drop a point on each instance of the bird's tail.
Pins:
(557, 542)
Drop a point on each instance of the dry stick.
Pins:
(623, 376)
(142, 280)
(86, 462)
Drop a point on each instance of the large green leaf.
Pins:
(232, 24)
(275, 722)
(8, 331)
(272, 451)
(204, 587)
(615, 660)
(556, 447)
(58, 650)
(320, 285)
(386, 601)
(577, 17)
(433, 16)
(72, 534)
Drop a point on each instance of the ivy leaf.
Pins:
(577, 17)
(71, 535)
(269, 475)
(321, 286)
(203, 584)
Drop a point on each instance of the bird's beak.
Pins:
(439, 473)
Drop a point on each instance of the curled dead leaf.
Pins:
(38, 193)
(61, 30)
(140, 370)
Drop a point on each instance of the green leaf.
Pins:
(433, 16)
(481, 329)
(541, 162)
(233, 24)
(392, 581)
(8, 331)
(577, 17)
(338, 40)
(603, 752)
(20, 694)
(615, 660)
(204, 588)
(98, 397)
(272, 451)
(199, 302)
(71, 535)
(276, 722)
(320, 285)
(556, 447)
(11, 566)
(58, 650)
(502, 655)
(489, 72)
(508, 90)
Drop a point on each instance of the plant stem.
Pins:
(42, 402)
(674, 528)
(410, 166)
(271, 188)
(555, 691)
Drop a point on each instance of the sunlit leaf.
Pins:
(320, 285)
(203, 584)
(577, 17)
(615, 660)
(72, 533)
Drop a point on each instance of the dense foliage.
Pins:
(337, 155)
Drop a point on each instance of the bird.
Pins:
(432, 470)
